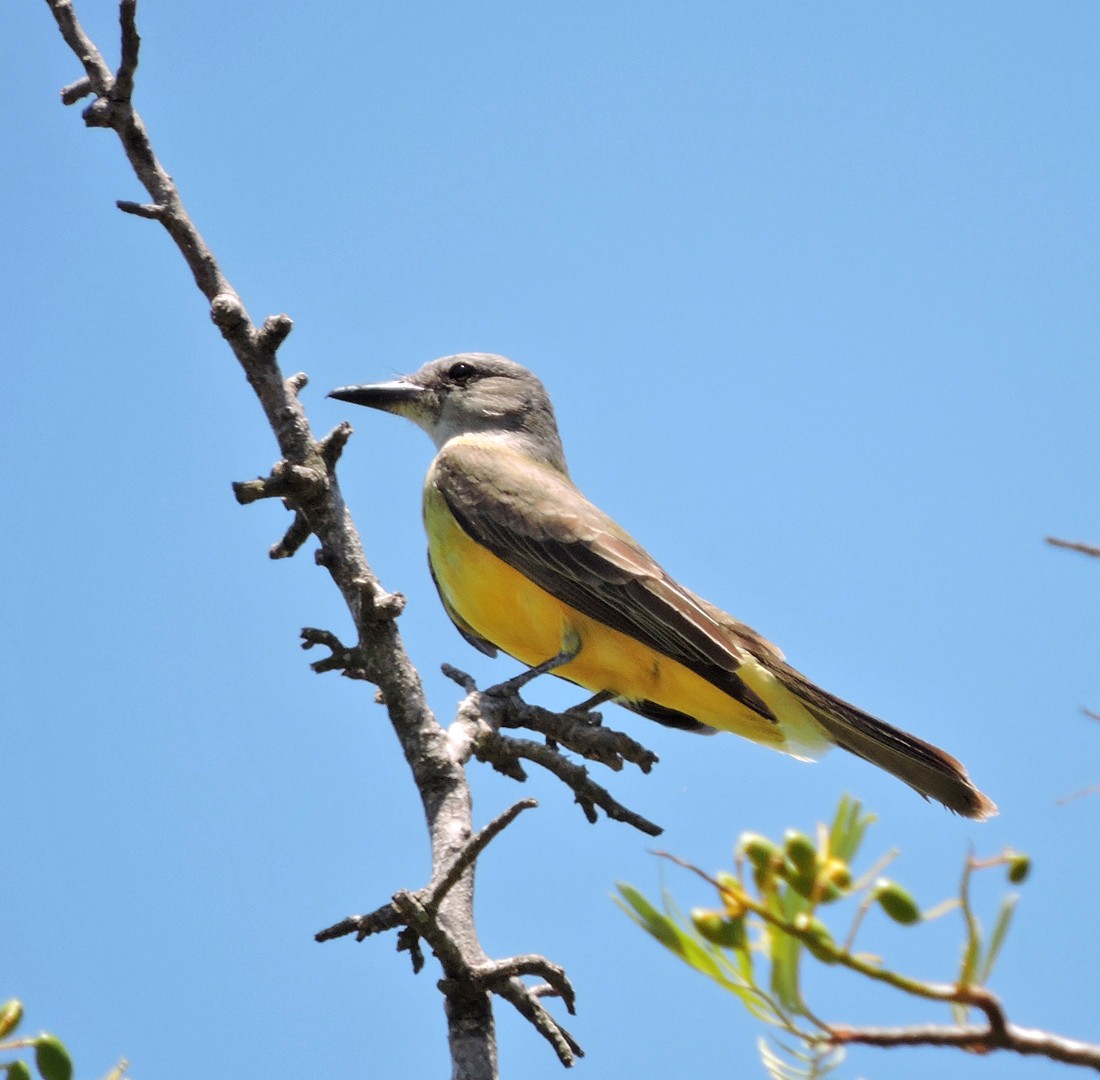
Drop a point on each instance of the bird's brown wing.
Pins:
(534, 519)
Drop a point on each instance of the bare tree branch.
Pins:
(501, 706)
(305, 480)
(1074, 545)
(418, 913)
(476, 732)
(975, 1038)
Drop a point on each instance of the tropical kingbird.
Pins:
(525, 563)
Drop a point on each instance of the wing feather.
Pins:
(533, 518)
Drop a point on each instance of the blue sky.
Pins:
(814, 289)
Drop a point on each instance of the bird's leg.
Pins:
(570, 650)
(589, 704)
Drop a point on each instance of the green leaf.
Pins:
(777, 1067)
(665, 929)
(52, 1058)
(786, 951)
(814, 1063)
(971, 954)
(996, 939)
(18, 1070)
(648, 917)
(849, 827)
(707, 959)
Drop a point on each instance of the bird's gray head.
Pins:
(470, 393)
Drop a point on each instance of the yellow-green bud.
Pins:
(802, 881)
(833, 880)
(897, 902)
(11, 1013)
(52, 1058)
(800, 850)
(730, 890)
(759, 850)
(818, 939)
(727, 933)
(837, 872)
(1018, 869)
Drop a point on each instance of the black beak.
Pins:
(388, 396)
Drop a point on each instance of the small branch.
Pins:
(98, 74)
(152, 211)
(1074, 545)
(423, 905)
(583, 734)
(131, 44)
(527, 1001)
(378, 921)
(332, 445)
(408, 940)
(73, 93)
(502, 977)
(477, 844)
(498, 749)
(298, 483)
(380, 606)
(501, 707)
(418, 913)
(1083, 793)
(275, 330)
(343, 659)
(298, 533)
(975, 1038)
(476, 732)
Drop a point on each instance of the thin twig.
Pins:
(1074, 545)
(974, 1037)
(498, 749)
(477, 731)
(474, 847)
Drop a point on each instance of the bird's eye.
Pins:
(461, 372)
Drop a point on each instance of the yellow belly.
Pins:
(501, 605)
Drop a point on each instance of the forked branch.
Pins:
(305, 480)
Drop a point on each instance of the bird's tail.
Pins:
(924, 767)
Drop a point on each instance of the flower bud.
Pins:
(818, 939)
(897, 902)
(800, 850)
(11, 1012)
(52, 1059)
(759, 850)
(727, 933)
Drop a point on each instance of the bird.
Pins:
(527, 565)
